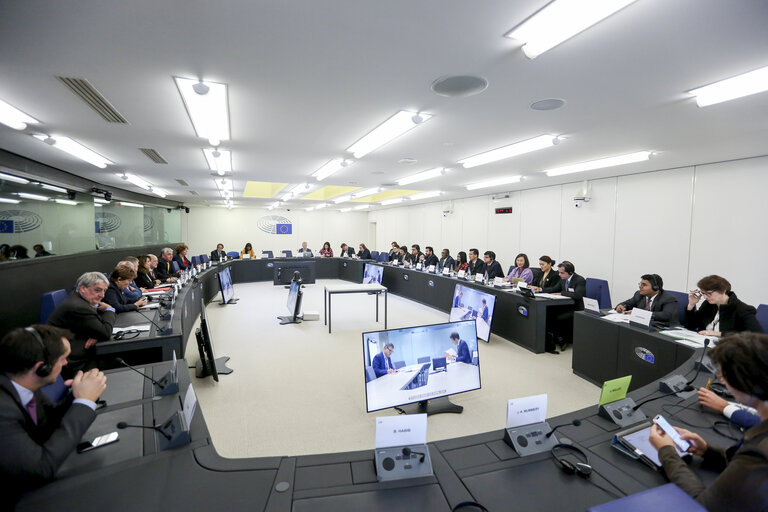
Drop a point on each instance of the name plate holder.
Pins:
(174, 432)
(446, 271)
(676, 384)
(401, 448)
(640, 318)
(461, 274)
(622, 412)
(169, 383)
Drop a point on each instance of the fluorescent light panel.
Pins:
(343, 199)
(330, 168)
(559, 21)
(392, 201)
(345, 210)
(222, 164)
(731, 88)
(425, 195)
(98, 200)
(365, 192)
(15, 118)
(54, 188)
(77, 150)
(11, 201)
(135, 180)
(32, 196)
(361, 207)
(387, 131)
(518, 148)
(494, 182)
(209, 112)
(600, 164)
(132, 205)
(422, 176)
(15, 179)
(66, 201)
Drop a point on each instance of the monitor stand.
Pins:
(431, 407)
(285, 320)
(230, 301)
(221, 368)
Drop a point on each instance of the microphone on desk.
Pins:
(686, 388)
(703, 353)
(150, 320)
(407, 452)
(575, 423)
(123, 425)
(122, 362)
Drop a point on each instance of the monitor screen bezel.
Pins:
(224, 298)
(490, 312)
(372, 265)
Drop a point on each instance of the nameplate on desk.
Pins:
(640, 318)
(591, 305)
(498, 281)
(431, 268)
(190, 404)
(526, 410)
(419, 266)
(614, 390)
(461, 274)
(479, 278)
(401, 430)
(446, 271)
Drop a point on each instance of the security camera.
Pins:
(580, 201)
(287, 209)
(447, 212)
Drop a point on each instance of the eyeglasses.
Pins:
(707, 294)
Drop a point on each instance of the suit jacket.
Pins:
(463, 355)
(579, 286)
(477, 266)
(493, 270)
(115, 298)
(484, 315)
(144, 280)
(431, 260)
(380, 364)
(364, 255)
(164, 270)
(664, 307)
(32, 453)
(392, 254)
(217, 256)
(132, 295)
(350, 252)
(84, 320)
(735, 316)
(743, 473)
(548, 284)
(413, 259)
(448, 262)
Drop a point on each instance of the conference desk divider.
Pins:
(480, 467)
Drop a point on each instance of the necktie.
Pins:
(387, 360)
(32, 409)
(647, 304)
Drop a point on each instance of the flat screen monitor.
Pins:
(426, 362)
(468, 303)
(207, 364)
(225, 285)
(294, 299)
(283, 271)
(372, 274)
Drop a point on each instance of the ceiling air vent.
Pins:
(83, 89)
(182, 182)
(153, 155)
(193, 193)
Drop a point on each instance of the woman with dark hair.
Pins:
(326, 251)
(181, 257)
(19, 252)
(394, 251)
(5, 252)
(248, 249)
(364, 253)
(461, 261)
(549, 281)
(144, 275)
(119, 280)
(721, 312)
(742, 363)
(520, 270)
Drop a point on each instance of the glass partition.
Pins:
(161, 225)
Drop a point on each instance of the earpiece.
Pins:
(44, 369)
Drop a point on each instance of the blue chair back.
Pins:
(383, 257)
(287, 253)
(233, 254)
(369, 374)
(762, 316)
(49, 301)
(204, 258)
(175, 266)
(55, 391)
(598, 289)
(374, 255)
(398, 364)
(425, 359)
(268, 254)
(195, 260)
(682, 303)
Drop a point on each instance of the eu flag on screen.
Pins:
(284, 229)
(6, 226)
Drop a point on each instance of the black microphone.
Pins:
(122, 362)
(703, 353)
(123, 425)
(575, 423)
(407, 452)
(150, 320)
(686, 388)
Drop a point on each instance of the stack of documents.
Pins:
(686, 337)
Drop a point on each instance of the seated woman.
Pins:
(550, 280)
(722, 312)
(248, 249)
(520, 270)
(119, 280)
(134, 291)
(144, 275)
(364, 253)
(742, 362)
(181, 257)
(326, 251)
(461, 261)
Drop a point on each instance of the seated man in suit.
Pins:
(457, 299)
(491, 268)
(475, 265)
(651, 297)
(36, 435)
(484, 314)
(415, 256)
(430, 258)
(164, 269)
(87, 317)
(462, 350)
(382, 364)
(346, 251)
(304, 248)
(219, 253)
(446, 261)
(574, 286)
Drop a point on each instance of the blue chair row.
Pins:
(48, 302)
(233, 254)
(598, 289)
(383, 257)
(375, 255)
(762, 316)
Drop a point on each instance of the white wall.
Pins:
(682, 224)
(204, 227)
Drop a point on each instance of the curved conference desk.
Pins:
(134, 474)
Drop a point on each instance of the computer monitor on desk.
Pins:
(225, 285)
(208, 364)
(468, 303)
(295, 296)
(372, 274)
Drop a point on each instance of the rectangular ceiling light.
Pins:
(361, 207)
(66, 201)
(345, 210)
(132, 178)
(731, 88)
(54, 188)
(422, 176)
(221, 164)
(331, 167)
(366, 192)
(6, 200)
(494, 182)
(387, 131)
(98, 200)
(15, 118)
(320, 206)
(15, 179)
(600, 164)
(208, 108)
(425, 195)
(132, 205)
(559, 21)
(32, 196)
(392, 201)
(342, 199)
(75, 149)
(159, 192)
(518, 148)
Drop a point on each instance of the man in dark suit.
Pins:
(651, 297)
(475, 264)
(446, 261)
(457, 299)
(84, 314)
(36, 435)
(164, 270)
(462, 350)
(574, 286)
(484, 311)
(219, 253)
(415, 256)
(430, 258)
(382, 364)
(491, 268)
(346, 250)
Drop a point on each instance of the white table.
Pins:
(333, 289)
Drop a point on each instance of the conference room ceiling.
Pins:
(308, 79)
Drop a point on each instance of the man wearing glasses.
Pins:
(651, 296)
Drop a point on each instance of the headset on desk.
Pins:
(127, 335)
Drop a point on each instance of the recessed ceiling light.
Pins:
(392, 201)
(406, 161)
(345, 210)
(208, 112)
(494, 182)
(36, 197)
(11, 201)
(600, 163)
(221, 164)
(422, 176)
(518, 148)
(548, 104)
(425, 195)
(459, 86)
(66, 201)
(53, 188)
(342, 199)
(132, 205)
(15, 118)
(15, 179)
(361, 207)
(330, 168)
(392, 128)
(365, 192)
(75, 149)
(731, 88)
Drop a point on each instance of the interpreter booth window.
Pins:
(119, 224)
(42, 220)
(161, 225)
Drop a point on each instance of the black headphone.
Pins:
(44, 369)
(656, 282)
(583, 469)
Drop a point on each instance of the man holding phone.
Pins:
(36, 435)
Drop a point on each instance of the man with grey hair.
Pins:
(164, 269)
(382, 364)
(87, 317)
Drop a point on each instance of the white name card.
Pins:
(591, 305)
(418, 266)
(431, 269)
(447, 271)
(461, 273)
(479, 277)
(526, 410)
(498, 281)
(246, 256)
(401, 430)
(641, 316)
(190, 404)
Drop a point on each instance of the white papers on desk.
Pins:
(150, 305)
(686, 337)
(159, 292)
(451, 352)
(550, 296)
(143, 328)
(618, 318)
